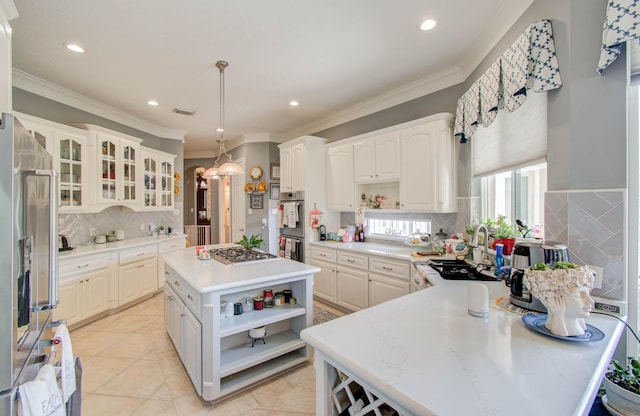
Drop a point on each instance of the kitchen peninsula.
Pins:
(217, 352)
(423, 354)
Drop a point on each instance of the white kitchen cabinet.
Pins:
(83, 291)
(138, 273)
(165, 248)
(388, 279)
(192, 346)
(158, 180)
(428, 169)
(352, 281)
(324, 282)
(340, 182)
(70, 150)
(377, 159)
(292, 168)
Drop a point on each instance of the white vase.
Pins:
(620, 399)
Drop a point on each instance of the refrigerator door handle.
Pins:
(53, 236)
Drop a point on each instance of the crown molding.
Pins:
(8, 10)
(35, 85)
(425, 86)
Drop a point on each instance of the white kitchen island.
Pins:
(216, 351)
(423, 354)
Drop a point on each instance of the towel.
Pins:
(74, 405)
(67, 365)
(287, 249)
(290, 214)
(41, 397)
(280, 217)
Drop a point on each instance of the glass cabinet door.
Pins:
(166, 189)
(70, 170)
(129, 173)
(108, 165)
(150, 193)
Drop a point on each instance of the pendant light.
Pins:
(229, 167)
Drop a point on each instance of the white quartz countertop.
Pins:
(425, 352)
(211, 275)
(116, 245)
(394, 251)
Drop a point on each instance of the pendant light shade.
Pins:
(229, 167)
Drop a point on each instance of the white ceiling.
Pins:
(340, 59)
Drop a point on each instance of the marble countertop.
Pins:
(425, 352)
(393, 251)
(116, 245)
(211, 275)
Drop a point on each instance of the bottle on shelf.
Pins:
(356, 236)
(499, 257)
(362, 233)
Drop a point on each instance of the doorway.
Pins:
(231, 207)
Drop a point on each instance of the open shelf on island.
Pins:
(254, 319)
(244, 356)
(245, 378)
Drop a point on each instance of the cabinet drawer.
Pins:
(171, 245)
(81, 265)
(324, 254)
(397, 269)
(353, 260)
(138, 253)
(176, 282)
(192, 300)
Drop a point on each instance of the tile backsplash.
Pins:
(592, 224)
(76, 226)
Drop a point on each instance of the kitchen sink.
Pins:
(459, 270)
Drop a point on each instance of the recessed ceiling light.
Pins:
(294, 103)
(427, 24)
(153, 103)
(74, 48)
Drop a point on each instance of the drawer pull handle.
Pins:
(166, 273)
(139, 254)
(181, 315)
(83, 266)
(387, 268)
(176, 283)
(351, 260)
(189, 297)
(322, 255)
(170, 298)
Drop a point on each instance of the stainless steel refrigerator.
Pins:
(28, 258)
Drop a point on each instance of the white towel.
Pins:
(287, 249)
(41, 397)
(291, 214)
(67, 365)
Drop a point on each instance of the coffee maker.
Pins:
(528, 253)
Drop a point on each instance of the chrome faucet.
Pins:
(486, 239)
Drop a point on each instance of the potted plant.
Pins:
(470, 230)
(161, 229)
(623, 386)
(251, 242)
(505, 233)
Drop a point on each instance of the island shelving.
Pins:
(217, 351)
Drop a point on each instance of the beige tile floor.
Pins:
(130, 367)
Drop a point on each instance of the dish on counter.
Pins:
(416, 242)
(262, 187)
(536, 323)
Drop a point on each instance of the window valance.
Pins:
(530, 64)
(622, 23)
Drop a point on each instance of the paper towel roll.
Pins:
(478, 300)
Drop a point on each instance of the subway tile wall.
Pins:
(76, 226)
(592, 223)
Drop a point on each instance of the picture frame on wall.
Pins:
(256, 201)
(274, 191)
(274, 173)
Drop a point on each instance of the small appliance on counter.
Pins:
(63, 243)
(322, 230)
(528, 253)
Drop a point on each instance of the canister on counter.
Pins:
(287, 295)
(268, 298)
(292, 301)
(258, 303)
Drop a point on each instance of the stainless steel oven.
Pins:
(291, 240)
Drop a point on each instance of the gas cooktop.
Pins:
(231, 255)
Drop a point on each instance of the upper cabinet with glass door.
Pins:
(69, 147)
(118, 166)
(158, 170)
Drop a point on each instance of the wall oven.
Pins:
(291, 224)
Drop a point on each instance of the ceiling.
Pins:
(341, 59)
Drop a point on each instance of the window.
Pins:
(517, 194)
(396, 229)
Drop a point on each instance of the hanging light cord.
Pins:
(221, 65)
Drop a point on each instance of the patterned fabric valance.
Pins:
(529, 64)
(622, 23)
